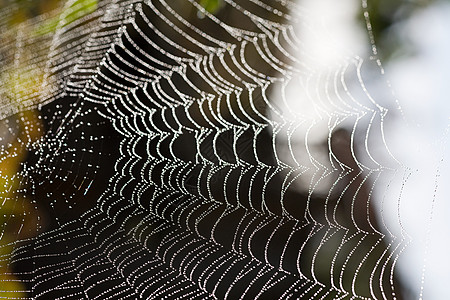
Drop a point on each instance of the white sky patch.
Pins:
(417, 199)
(421, 83)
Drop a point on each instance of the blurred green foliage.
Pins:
(212, 6)
(15, 210)
(20, 82)
(77, 10)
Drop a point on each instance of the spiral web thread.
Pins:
(217, 190)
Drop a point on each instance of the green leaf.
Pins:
(77, 10)
(212, 6)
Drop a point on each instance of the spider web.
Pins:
(166, 158)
